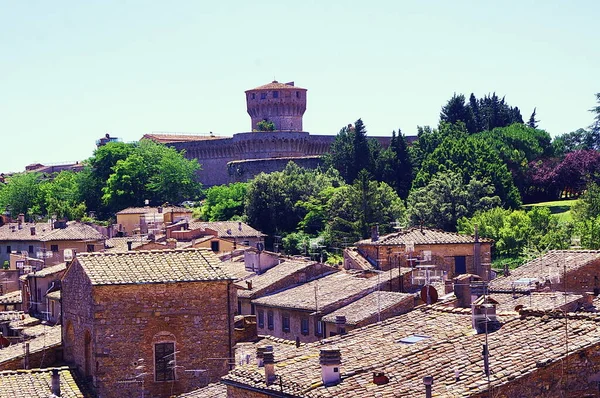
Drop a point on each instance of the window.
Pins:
(90, 248)
(54, 248)
(275, 94)
(261, 319)
(270, 320)
(304, 326)
(164, 361)
(30, 249)
(253, 96)
(214, 245)
(285, 322)
(297, 94)
(319, 328)
(8, 249)
(263, 95)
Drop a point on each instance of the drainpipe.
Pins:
(229, 321)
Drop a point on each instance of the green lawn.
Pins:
(560, 208)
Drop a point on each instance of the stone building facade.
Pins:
(153, 323)
(242, 156)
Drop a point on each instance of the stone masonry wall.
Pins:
(130, 319)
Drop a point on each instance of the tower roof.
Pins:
(279, 86)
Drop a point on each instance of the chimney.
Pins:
(260, 355)
(32, 230)
(330, 360)
(380, 378)
(467, 289)
(269, 363)
(249, 285)
(172, 243)
(340, 324)
(55, 382)
(21, 219)
(160, 209)
(239, 225)
(483, 317)
(375, 233)
(428, 382)
(129, 243)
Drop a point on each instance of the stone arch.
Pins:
(69, 340)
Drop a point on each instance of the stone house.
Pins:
(435, 352)
(219, 236)
(285, 274)
(374, 307)
(450, 252)
(48, 241)
(581, 267)
(144, 220)
(296, 313)
(154, 323)
(35, 288)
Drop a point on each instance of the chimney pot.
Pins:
(55, 382)
(249, 285)
(240, 225)
(32, 230)
(380, 378)
(129, 243)
(330, 360)
(21, 219)
(269, 363)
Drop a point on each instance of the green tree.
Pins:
(588, 207)
(61, 196)
(445, 199)
(274, 201)
(151, 171)
(224, 202)
(470, 157)
(533, 122)
(265, 125)
(21, 194)
(394, 165)
(353, 209)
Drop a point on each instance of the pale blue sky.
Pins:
(73, 70)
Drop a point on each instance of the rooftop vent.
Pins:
(380, 378)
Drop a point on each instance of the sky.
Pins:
(72, 71)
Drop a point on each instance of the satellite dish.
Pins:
(428, 294)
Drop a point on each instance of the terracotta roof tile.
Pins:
(51, 338)
(368, 306)
(47, 271)
(449, 345)
(36, 383)
(423, 236)
(263, 283)
(550, 266)
(330, 290)
(11, 231)
(154, 266)
(174, 137)
(11, 298)
(214, 390)
(154, 210)
(228, 229)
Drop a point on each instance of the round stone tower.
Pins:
(280, 103)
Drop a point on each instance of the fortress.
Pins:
(244, 155)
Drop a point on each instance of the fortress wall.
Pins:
(244, 170)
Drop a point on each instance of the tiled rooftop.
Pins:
(153, 266)
(236, 268)
(275, 85)
(50, 339)
(154, 210)
(228, 229)
(36, 383)
(449, 345)
(11, 231)
(215, 390)
(47, 271)
(288, 267)
(544, 301)
(119, 244)
(73, 231)
(11, 298)
(330, 290)
(368, 306)
(550, 267)
(423, 236)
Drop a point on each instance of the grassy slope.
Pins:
(560, 208)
